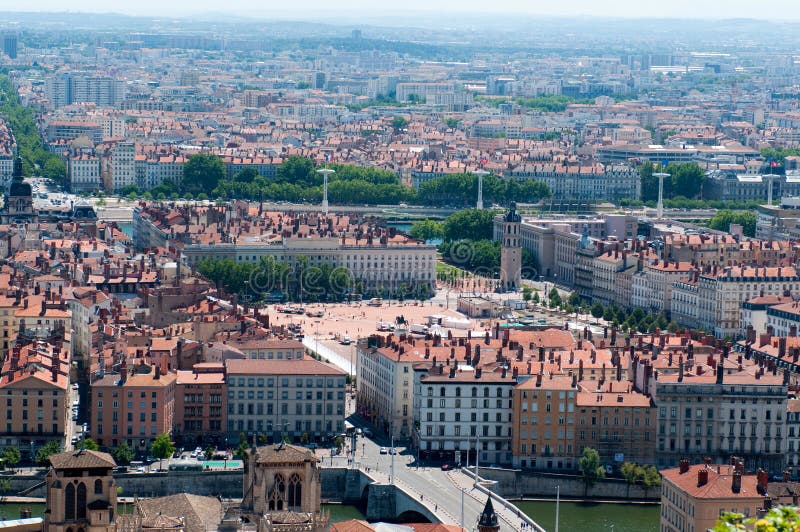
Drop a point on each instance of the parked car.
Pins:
(384, 450)
(446, 467)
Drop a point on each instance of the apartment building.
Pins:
(694, 496)
(405, 91)
(783, 318)
(585, 183)
(544, 414)
(612, 274)
(754, 315)
(154, 170)
(71, 129)
(721, 292)
(269, 348)
(385, 384)
(132, 407)
(280, 398)
(618, 422)
(739, 414)
(201, 405)
(83, 172)
(651, 287)
(123, 166)
(35, 390)
(84, 305)
(717, 249)
(462, 410)
(793, 437)
(66, 88)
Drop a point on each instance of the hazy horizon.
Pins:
(776, 10)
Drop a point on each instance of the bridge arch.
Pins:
(412, 516)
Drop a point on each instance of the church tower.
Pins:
(18, 204)
(488, 521)
(81, 492)
(511, 251)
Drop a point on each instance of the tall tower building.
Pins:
(511, 250)
(10, 45)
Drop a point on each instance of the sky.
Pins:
(313, 9)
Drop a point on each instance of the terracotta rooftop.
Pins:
(84, 459)
(719, 485)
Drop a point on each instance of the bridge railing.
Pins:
(479, 484)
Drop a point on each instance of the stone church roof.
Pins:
(82, 459)
(199, 513)
(284, 453)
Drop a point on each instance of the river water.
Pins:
(594, 517)
(10, 510)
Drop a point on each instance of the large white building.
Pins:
(460, 409)
(123, 166)
(720, 293)
(385, 383)
(651, 287)
(591, 183)
(84, 173)
(383, 263)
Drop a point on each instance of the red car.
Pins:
(446, 467)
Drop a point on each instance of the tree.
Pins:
(427, 230)
(163, 447)
(452, 123)
(11, 456)
(242, 447)
(55, 169)
(590, 468)
(208, 453)
(44, 452)
(632, 473)
(89, 444)
(472, 224)
(723, 219)
(5, 486)
(685, 181)
(597, 310)
(298, 170)
(652, 478)
(202, 172)
(123, 454)
(399, 123)
(527, 293)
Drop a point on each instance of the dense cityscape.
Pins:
(402, 275)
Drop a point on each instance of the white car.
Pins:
(384, 450)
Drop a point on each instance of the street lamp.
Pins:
(325, 173)
(660, 207)
(481, 174)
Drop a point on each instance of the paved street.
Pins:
(440, 491)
